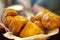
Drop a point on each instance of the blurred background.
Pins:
(53, 5)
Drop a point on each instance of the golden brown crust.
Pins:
(38, 23)
(40, 15)
(10, 12)
(20, 25)
(8, 20)
(31, 29)
(51, 21)
(17, 23)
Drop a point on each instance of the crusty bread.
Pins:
(31, 29)
(17, 23)
(51, 21)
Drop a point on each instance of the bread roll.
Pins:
(51, 21)
(17, 23)
(31, 29)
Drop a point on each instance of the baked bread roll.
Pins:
(51, 21)
(17, 23)
(31, 29)
(48, 19)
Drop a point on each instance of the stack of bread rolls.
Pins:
(38, 24)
